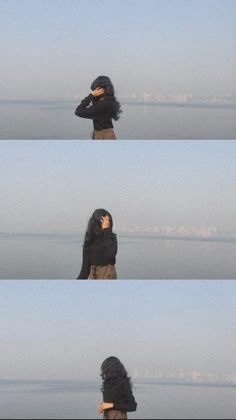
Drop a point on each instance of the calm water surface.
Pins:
(79, 400)
(56, 120)
(60, 257)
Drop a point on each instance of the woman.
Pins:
(101, 106)
(100, 248)
(117, 392)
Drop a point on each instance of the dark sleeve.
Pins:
(109, 244)
(86, 111)
(85, 269)
(129, 403)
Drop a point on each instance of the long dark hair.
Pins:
(112, 370)
(94, 228)
(105, 83)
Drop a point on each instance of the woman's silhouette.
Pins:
(117, 392)
(102, 107)
(99, 248)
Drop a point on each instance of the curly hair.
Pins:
(94, 228)
(105, 83)
(112, 370)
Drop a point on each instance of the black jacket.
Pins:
(100, 112)
(102, 251)
(120, 394)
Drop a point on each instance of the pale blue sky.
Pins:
(64, 329)
(54, 186)
(55, 49)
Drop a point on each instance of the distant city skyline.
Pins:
(177, 231)
(182, 376)
(180, 98)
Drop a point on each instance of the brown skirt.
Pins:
(105, 134)
(105, 272)
(115, 414)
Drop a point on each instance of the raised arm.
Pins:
(85, 110)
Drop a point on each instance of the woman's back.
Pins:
(119, 392)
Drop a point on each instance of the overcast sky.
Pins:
(54, 186)
(65, 329)
(55, 49)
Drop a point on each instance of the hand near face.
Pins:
(105, 221)
(99, 91)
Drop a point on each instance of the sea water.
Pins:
(79, 399)
(56, 120)
(55, 256)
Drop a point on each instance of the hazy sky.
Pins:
(55, 49)
(65, 329)
(54, 186)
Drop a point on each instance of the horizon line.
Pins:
(154, 380)
(126, 101)
(131, 234)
